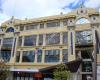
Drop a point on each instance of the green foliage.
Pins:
(61, 72)
(4, 71)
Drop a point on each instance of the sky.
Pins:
(22, 9)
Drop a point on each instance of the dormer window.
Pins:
(10, 29)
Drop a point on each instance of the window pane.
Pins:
(6, 55)
(53, 24)
(32, 26)
(52, 55)
(40, 39)
(21, 27)
(30, 40)
(39, 55)
(41, 26)
(0, 41)
(53, 38)
(84, 37)
(65, 55)
(65, 22)
(18, 56)
(7, 42)
(28, 56)
(65, 38)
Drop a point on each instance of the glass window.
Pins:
(87, 66)
(84, 37)
(29, 27)
(53, 24)
(52, 55)
(65, 38)
(10, 29)
(30, 40)
(7, 42)
(65, 22)
(20, 41)
(41, 25)
(40, 42)
(18, 56)
(21, 28)
(6, 55)
(53, 38)
(39, 55)
(0, 41)
(28, 56)
(65, 55)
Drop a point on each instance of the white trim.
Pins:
(25, 70)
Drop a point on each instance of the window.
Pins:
(53, 24)
(0, 41)
(18, 56)
(30, 40)
(41, 26)
(39, 55)
(21, 28)
(84, 37)
(10, 29)
(87, 66)
(28, 56)
(7, 42)
(52, 55)
(29, 27)
(65, 37)
(65, 22)
(20, 41)
(40, 42)
(53, 38)
(6, 55)
(65, 55)
(82, 21)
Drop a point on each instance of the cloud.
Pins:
(38, 8)
(3, 17)
(75, 4)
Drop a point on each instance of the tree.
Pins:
(4, 70)
(61, 72)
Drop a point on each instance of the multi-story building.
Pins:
(31, 46)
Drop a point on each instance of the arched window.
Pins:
(82, 21)
(10, 29)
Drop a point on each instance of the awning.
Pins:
(72, 66)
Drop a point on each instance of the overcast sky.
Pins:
(37, 8)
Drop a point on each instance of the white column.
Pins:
(22, 41)
(61, 23)
(44, 39)
(21, 54)
(61, 38)
(43, 56)
(35, 61)
(37, 40)
(61, 56)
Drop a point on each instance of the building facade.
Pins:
(30, 45)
